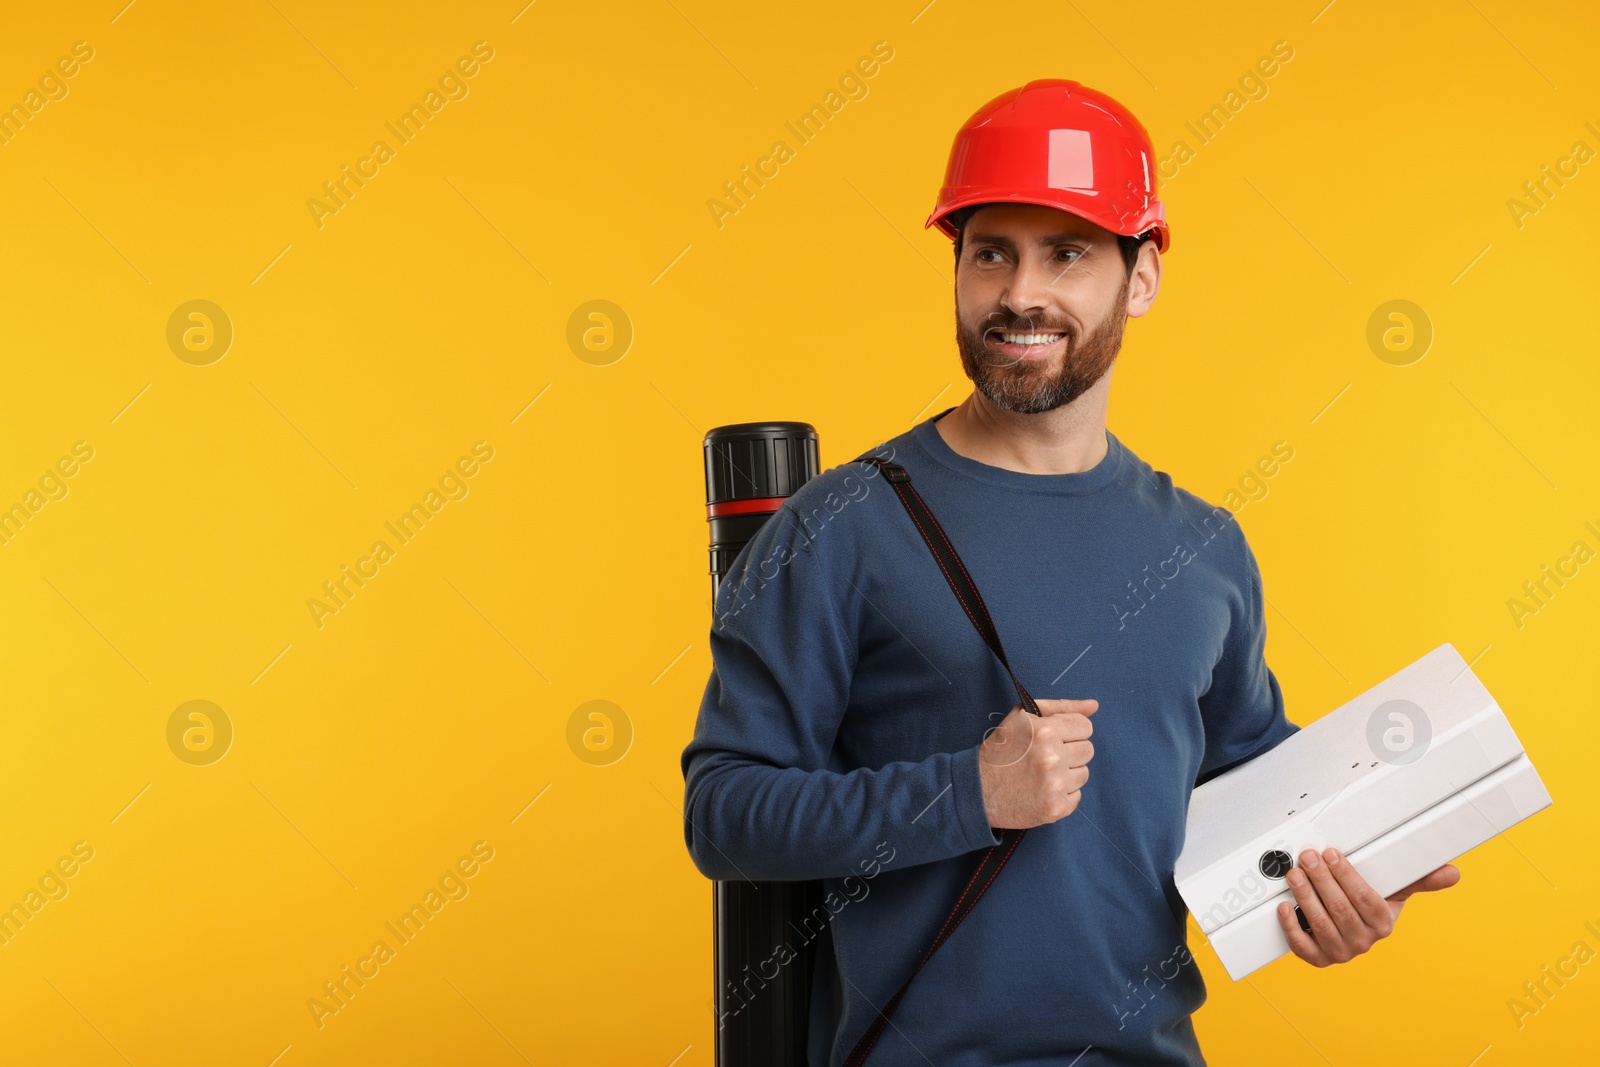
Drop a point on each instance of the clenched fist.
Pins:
(1033, 766)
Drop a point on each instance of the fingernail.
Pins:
(1296, 877)
(1311, 862)
(1332, 856)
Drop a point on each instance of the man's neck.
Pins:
(1067, 440)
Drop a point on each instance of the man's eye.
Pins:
(986, 251)
(1074, 252)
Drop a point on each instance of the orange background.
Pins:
(433, 711)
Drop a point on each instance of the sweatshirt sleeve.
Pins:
(760, 801)
(1243, 710)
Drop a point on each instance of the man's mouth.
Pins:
(1026, 345)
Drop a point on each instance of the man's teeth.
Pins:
(1031, 338)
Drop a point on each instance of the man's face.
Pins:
(1041, 302)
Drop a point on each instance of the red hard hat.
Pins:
(1056, 143)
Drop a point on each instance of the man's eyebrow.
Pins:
(1046, 240)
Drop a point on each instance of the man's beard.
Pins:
(1028, 386)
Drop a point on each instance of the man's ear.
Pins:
(1145, 281)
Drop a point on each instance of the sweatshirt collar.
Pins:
(1102, 474)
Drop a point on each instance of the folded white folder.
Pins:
(1403, 779)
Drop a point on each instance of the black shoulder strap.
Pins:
(995, 856)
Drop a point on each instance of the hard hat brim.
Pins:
(1082, 205)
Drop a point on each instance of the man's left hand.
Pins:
(1346, 914)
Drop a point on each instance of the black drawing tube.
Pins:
(762, 1004)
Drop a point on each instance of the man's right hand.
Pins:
(1033, 766)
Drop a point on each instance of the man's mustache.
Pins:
(1026, 326)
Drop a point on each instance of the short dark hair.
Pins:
(1128, 246)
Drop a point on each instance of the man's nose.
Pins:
(1031, 289)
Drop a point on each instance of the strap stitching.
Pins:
(914, 504)
(939, 938)
(1015, 841)
(947, 575)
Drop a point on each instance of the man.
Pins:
(855, 728)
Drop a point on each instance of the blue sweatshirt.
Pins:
(839, 731)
